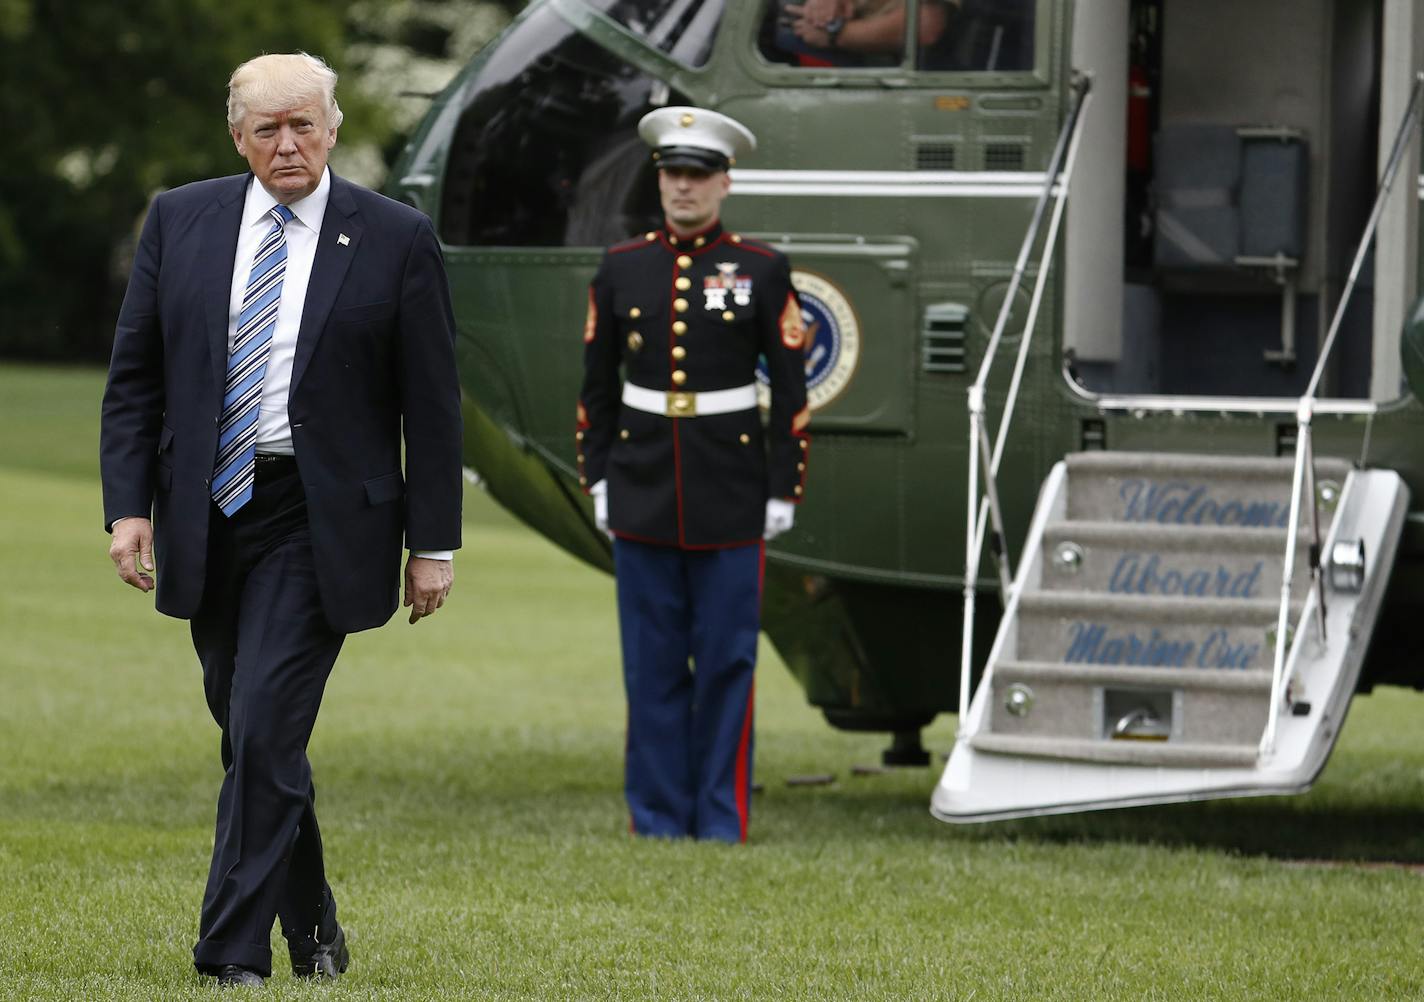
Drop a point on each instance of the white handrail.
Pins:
(1304, 471)
(979, 449)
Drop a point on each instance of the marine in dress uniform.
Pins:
(687, 477)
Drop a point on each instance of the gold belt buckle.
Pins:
(681, 404)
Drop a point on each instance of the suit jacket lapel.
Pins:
(222, 220)
(335, 247)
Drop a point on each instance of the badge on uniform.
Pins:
(716, 287)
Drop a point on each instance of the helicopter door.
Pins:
(1233, 198)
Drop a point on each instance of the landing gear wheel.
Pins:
(905, 751)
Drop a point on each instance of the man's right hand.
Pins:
(132, 551)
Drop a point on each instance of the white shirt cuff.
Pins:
(434, 554)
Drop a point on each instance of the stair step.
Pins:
(1191, 705)
(1146, 631)
(1169, 560)
(1213, 491)
(1143, 753)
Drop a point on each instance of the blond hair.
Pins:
(276, 81)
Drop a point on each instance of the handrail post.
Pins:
(1304, 451)
(979, 446)
(971, 553)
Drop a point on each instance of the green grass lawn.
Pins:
(470, 780)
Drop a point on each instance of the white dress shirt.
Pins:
(274, 431)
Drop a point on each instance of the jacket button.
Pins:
(635, 313)
(679, 327)
(683, 284)
(623, 434)
(799, 490)
(684, 261)
(679, 377)
(729, 316)
(680, 305)
(744, 438)
(679, 352)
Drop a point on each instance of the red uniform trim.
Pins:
(632, 244)
(743, 754)
(757, 248)
(674, 544)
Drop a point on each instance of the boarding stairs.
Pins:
(1135, 660)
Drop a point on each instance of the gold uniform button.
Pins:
(683, 284)
(635, 313)
(623, 434)
(679, 327)
(699, 241)
(684, 261)
(673, 241)
(680, 305)
(728, 315)
(679, 377)
(799, 490)
(744, 438)
(651, 235)
(736, 238)
(679, 352)
(583, 481)
(687, 119)
(800, 467)
(635, 341)
(805, 445)
(578, 436)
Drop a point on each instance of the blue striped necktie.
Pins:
(234, 470)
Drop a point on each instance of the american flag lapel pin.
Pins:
(343, 240)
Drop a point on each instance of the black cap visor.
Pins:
(691, 156)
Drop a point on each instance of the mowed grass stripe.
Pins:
(469, 775)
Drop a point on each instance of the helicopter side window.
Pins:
(546, 151)
(684, 29)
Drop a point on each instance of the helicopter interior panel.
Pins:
(955, 36)
(1248, 181)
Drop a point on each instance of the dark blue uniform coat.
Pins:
(692, 314)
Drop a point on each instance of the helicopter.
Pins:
(1113, 335)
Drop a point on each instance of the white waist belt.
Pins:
(676, 403)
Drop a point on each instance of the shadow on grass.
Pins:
(500, 785)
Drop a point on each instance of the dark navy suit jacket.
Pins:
(374, 358)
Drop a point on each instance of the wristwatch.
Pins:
(833, 29)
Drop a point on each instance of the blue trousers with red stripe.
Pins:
(689, 621)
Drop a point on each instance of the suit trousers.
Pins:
(689, 621)
(266, 650)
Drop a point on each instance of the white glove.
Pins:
(599, 492)
(779, 516)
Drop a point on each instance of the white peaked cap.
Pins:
(695, 137)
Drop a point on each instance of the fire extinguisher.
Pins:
(1139, 112)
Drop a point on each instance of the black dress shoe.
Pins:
(231, 975)
(311, 958)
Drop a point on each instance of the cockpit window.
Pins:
(957, 36)
(546, 152)
(684, 29)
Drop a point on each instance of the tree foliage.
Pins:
(105, 104)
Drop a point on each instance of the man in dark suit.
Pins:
(686, 477)
(282, 329)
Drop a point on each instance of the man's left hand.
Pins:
(427, 582)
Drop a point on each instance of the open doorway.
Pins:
(1249, 157)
